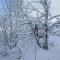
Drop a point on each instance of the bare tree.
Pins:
(44, 18)
(5, 27)
(13, 8)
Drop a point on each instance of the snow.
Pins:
(28, 51)
(53, 53)
(26, 47)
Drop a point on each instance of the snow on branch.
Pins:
(56, 16)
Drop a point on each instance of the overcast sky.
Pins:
(55, 7)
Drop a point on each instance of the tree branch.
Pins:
(54, 17)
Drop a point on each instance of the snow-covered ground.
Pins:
(33, 52)
(53, 53)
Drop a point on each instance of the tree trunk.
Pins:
(46, 28)
(5, 43)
